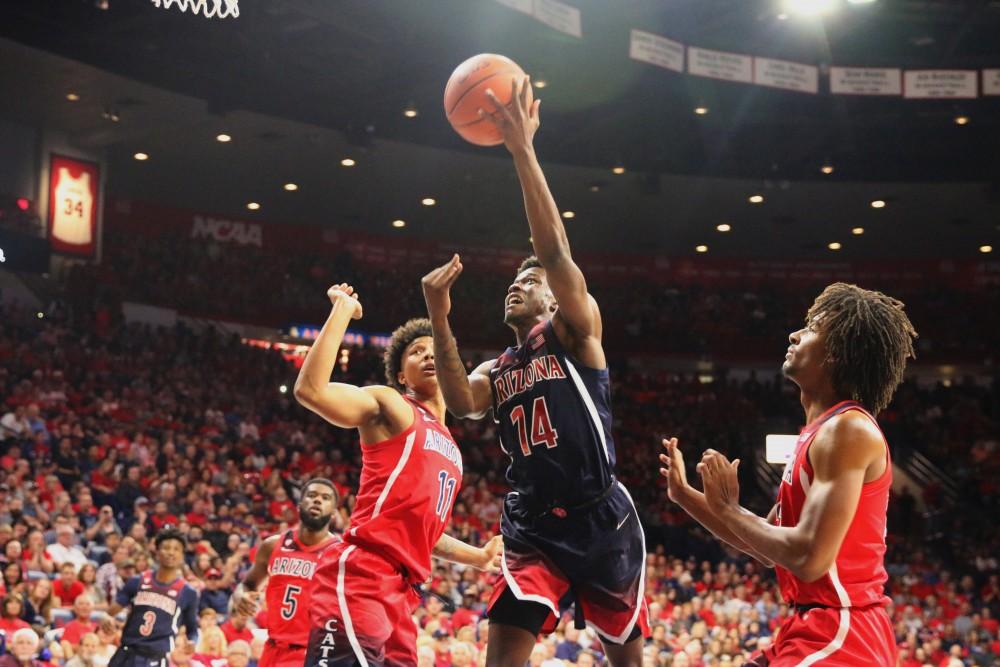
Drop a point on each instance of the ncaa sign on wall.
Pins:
(227, 231)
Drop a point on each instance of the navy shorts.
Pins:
(597, 554)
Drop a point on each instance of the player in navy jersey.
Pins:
(160, 602)
(568, 525)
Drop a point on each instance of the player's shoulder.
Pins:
(851, 436)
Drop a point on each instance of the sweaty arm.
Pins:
(841, 454)
(693, 502)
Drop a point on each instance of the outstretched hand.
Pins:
(492, 553)
(437, 287)
(673, 470)
(518, 121)
(344, 293)
(720, 481)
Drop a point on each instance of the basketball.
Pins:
(465, 95)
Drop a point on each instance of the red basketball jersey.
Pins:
(408, 486)
(858, 574)
(290, 586)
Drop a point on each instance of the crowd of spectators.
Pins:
(111, 430)
(274, 289)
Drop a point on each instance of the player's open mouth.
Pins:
(511, 300)
(429, 369)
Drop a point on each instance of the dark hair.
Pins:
(400, 340)
(170, 533)
(530, 262)
(868, 339)
(324, 482)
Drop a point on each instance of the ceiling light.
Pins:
(283, 389)
(701, 248)
(827, 169)
(834, 246)
(223, 138)
(399, 224)
(291, 187)
(347, 162)
(782, 16)
(985, 249)
(878, 203)
(961, 120)
(701, 111)
(410, 112)
(141, 157)
(540, 83)
(569, 215)
(809, 7)
(595, 188)
(723, 227)
(858, 231)
(618, 170)
(428, 201)
(253, 206)
(72, 97)
(756, 199)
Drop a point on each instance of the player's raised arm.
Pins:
(343, 405)
(467, 395)
(518, 123)
(694, 503)
(841, 456)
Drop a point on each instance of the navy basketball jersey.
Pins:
(554, 419)
(157, 612)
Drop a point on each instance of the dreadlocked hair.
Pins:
(400, 340)
(530, 262)
(868, 339)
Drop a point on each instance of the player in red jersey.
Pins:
(826, 534)
(288, 562)
(361, 610)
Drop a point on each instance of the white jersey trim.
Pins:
(842, 629)
(641, 598)
(589, 402)
(345, 613)
(395, 472)
(519, 594)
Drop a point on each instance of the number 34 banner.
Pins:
(73, 190)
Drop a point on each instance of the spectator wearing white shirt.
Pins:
(63, 550)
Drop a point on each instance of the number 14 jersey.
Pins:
(554, 420)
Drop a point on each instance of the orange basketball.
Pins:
(465, 95)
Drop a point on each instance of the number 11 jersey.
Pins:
(409, 484)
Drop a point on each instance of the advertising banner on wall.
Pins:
(866, 81)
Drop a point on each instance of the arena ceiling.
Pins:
(299, 84)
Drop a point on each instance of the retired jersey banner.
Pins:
(786, 75)
(720, 65)
(940, 84)
(655, 50)
(866, 81)
(73, 206)
(991, 82)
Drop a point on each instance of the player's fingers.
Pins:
(534, 109)
(665, 472)
(493, 118)
(525, 92)
(665, 459)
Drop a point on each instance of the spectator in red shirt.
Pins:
(236, 628)
(79, 626)
(280, 503)
(67, 588)
(11, 608)
(162, 517)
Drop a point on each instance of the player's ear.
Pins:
(401, 379)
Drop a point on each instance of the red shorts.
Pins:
(277, 655)
(832, 638)
(361, 611)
